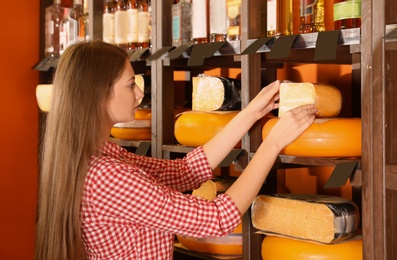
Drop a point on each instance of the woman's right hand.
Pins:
(291, 125)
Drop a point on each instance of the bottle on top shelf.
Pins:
(181, 22)
(200, 21)
(75, 18)
(234, 23)
(311, 16)
(144, 29)
(53, 19)
(84, 23)
(279, 17)
(121, 24)
(347, 14)
(108, 23)
(132, 10)
(218, 20)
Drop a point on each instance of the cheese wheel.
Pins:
(209, 189)
(195, 128)
(331, 137)
(134, 130)
(276, 248)
(231, 244)
(212, 93)
(327, 99)
(143, 114)
(319, 218)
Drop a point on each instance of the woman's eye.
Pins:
(133, 85)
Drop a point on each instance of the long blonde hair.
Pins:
(75, 129)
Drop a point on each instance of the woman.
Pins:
(98, 201)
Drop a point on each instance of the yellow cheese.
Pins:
(209, 189)
(326, 137)
(134, 130)
(323, 219)
(144, 84)
(195, 128)
(327, 99)
(43, 96)
(276, 248)
(212, 93)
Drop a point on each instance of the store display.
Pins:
(212, 93)
(279, 17)
(318, 218)
(218, 20)
(200, 19)
(181, 22)
(276, 248)
(194, 128)
(347, 14)
(327, 98)
(325, 138)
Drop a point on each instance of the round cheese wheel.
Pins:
(194, 128)
(231, 244)
(331, 137)
(275, 248)
(134, 130)
(143, 114)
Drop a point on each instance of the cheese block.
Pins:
(231, 244)
(144, 82)
(326, 137)
(276, 248)
(327, 99)
(319, 218)
(209, 189)
(43, 96)
(212, 93)
(134, 130)
(195, 128)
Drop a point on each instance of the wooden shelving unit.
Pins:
(372, 52)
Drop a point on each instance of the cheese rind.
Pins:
(324, 219)
(326, 137)
(327, 99)
(275, 248)
(195, 128)
(212, 93)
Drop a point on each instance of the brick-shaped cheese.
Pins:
(327, 98)
(212, 93)
(320, 218)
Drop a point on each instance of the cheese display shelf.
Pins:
(370, 50)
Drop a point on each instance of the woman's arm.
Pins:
(289, 127)
(219, 146)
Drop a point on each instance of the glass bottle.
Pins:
(319, 16)
(53, 19)
(199, 21)
(218, 20)
(109, 9)
(121, 24)
(132, 10)
(84, 29)
(279, 17)
(347, 14)
(181, 22)
(307, 16)
(144, 24)
(233, 13)
(74, 22)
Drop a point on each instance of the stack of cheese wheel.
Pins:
(228, 245)
(301, 226)
(215, 101)
(138, 129)
(329, 136)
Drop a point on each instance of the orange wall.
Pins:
(19, 129)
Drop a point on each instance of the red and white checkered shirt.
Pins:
(133, 205)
